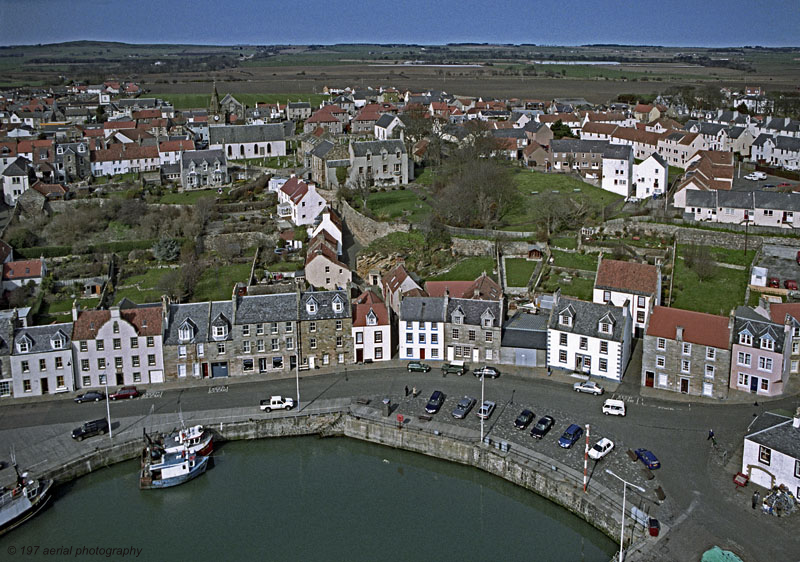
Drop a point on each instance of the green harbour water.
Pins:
(307, 499)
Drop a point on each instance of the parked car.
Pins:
(648, 458)
(570, 436)
(601, 449)
(774, 282)
(456, 367)
(463, 407)
(768, 186)
(486, 371)
(588, 386)
(91, 396)
(524, 419)
(125, 392)
(756, 176)
(486, 409)
(791, 167)
(416, 366)
(435, 402)
(784, 184)
(541, 428)
(790, 284)
(614, 407)
(90, 429)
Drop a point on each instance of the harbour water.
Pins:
(306, 499)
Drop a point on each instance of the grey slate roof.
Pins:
(40, 337)
(324, 300)
(195, 313)
(526, 330)
(226, 134)
(254, 309)
(473, 310)
(777, 433)
(761, 139)
(698, 198)
(586, 318)
(18, 167)
(299, 105)
(322, 149)
(385, 120)
(375, 147)
(777, 201)
(789, 144)
(200, 156)
(514, 133)
(608, 150)
(747, 319)
(422, 309)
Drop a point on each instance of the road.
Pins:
(702, 504)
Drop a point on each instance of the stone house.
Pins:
(760, 352)
(326, 120)
(21, 273)
(7, 325)
(264, 334)
(41, 360)
(298, 110)
(203, 168)
(397, 283)
(325, 328)
(687, 352)
(122, 345)
(249, 141)
(789, 314)
(185, 339)
(380, 162)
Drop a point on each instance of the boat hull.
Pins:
(149, 483)
(41, 500)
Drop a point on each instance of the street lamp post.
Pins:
(483, 377)
(297, 379)
(108, 407)
(625, 485)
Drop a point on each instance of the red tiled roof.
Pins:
(779, 312)
(130, 151)
(27, 269)
(49, 188)
(147, 114)
(88, 323)
(322, 116)
(627, 276)
(439, 288)
(119, 125)
(698, 327)
(295, 188)
(146, 321)
(367, 301)
(176, 145)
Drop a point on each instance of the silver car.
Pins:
(486, 410)
(463, 407)
(588, 386)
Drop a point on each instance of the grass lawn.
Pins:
(188, 197)
(568, 242)
(426, 177)
(468, 270)
(138, 296)
(587, 262)
(717, 295)
(400, 203)
(579, 287)
(724, 255)
(64, 306)
(285, 266)
(216, 283)
(531, 185)
(519, 271)
(146, 280)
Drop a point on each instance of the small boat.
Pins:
(23, 500)
(195, 439)
(164, 470)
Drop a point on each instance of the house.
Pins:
(16, 179)
(536, 156)
(707, 171)
(322, 267)
(396, 284)
(473, 323)
(386, 126)
(789, 314)
(298, 110)
(589, 338)
(651, 177)
(771, 455)
(645, 113)
(759, 208)
(265, 334)
(780, 150)
(372, 329)
(679, 147)
(524, 340)
(124, 158)
(328, 221)
(186, 338)
(299, 201)
(379, 162)
(611, 164)
(326, 120)
(118, 346)
(169, 152)
(7, 326)
(21, 273)
(421, 322)
(631, 284)
(687, 352)
(240, 142)
(203, 168)
(760, 352)
(41, 360)
(325, 329)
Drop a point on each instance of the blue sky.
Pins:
(563, 22)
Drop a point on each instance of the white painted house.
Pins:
(650, 177)
(634, 285)
(299, 201)
(772, 451)
(372, 330)
(329, 222)
(421, 328)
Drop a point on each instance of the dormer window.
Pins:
(605, 327)
(767, 343)
(220, 331)
(116, 327)
(565, 320)
(185, 332)
(745, 338)
(372, 320)
(23, 346)
(458, 319)
(57, 343)
(337, 305)
(311, 306)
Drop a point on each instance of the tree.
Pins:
(166, 249)
(561, 131)
(418, 125)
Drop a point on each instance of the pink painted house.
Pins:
(760, 353)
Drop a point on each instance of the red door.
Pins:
(359, 355)
(422, 353)
(649, 378)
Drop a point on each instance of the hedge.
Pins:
(104, 247)
(36, 252)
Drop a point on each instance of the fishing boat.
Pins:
(161, 469)
(195, 439)
(23, 500)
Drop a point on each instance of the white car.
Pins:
(588, 386)
(486, 410)
(756, 176)
(601, 449)
(791, 167)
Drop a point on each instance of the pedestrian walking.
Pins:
(710, 434)
(406, 390)
(756, 497)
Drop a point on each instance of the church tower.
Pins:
(215, 113)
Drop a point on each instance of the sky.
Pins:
(769, 23)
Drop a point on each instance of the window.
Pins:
(246, 346)
(201, 349)
(117, 343)
(86, 381)
(764, 384)
(710, 371)
(26, 385)
(312, 326)
(181, 351)
(686, 348)
(339, 341)
(434, 338)
(562, 339)
(84, 364)
(764, 364)
(260, 346)
(584, 343)
(312, 343)
(337, 305)
(565, 320)
(488, 337)
(640, 316)
(409, 337)
(246, 330)
(455, 333)
(743, 379)
(59, 363)
(686, 366)
(102, 379)
(151, 360)
(745, 339)
(101, 363)
(605, 327)
(604, 365)
(640, 302)
(604, 347)
(221, 348)
(660, 361)
(42, 364)
(247, 365)
(434, 353)
(58, 343)
(743, 359)
(115, 328)
(562, 356)
(181, 371)
(487, 322)
(797, 469)
(326, 359)
(471, 335)
(274, 344)
(84, 346)
(359, 337)
(135, 361)
(767, 343)
(378, 353)
(422, 338)
(764, 454)
(379, 336)
(606, 297)
(273, 328)
(711, 353)
(457, 319)
(99, 345)
(135, 343)
(289, 344)
(340, 358)
(118, 363)
(338, 325)
(151, 341)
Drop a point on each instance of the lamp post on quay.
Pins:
(625, 485)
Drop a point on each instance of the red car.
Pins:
(125, 392)
(774, 282)
(790, 284)
(784, 184)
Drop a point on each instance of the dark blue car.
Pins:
(648, 458)
(571, 436)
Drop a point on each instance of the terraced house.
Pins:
(264, 334)
(759, 353)
(325, 328)
(380, 162)
(41, 360)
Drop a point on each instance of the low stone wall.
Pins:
(364, 229)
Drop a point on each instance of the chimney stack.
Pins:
(679, 333)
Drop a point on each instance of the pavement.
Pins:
(702, 508)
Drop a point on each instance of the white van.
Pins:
(614, 407)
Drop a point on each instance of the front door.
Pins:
(422, 353)
(359, 355)
(45, 386)
(684, 385)
(292, 361)
(753, 384)
(120, 379)
(649, 378)
(205, 370)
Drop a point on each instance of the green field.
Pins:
(468, 270)
(577, 287)
(201, 101)
(519, 271)
(387, 205)
(216, 283)
(723, 255)
(568, 242)
(188, 197)
(587, 262)
(717, 295)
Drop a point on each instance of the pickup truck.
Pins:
(456, 367)
(277, 403)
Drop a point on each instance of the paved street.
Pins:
(702, 505)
